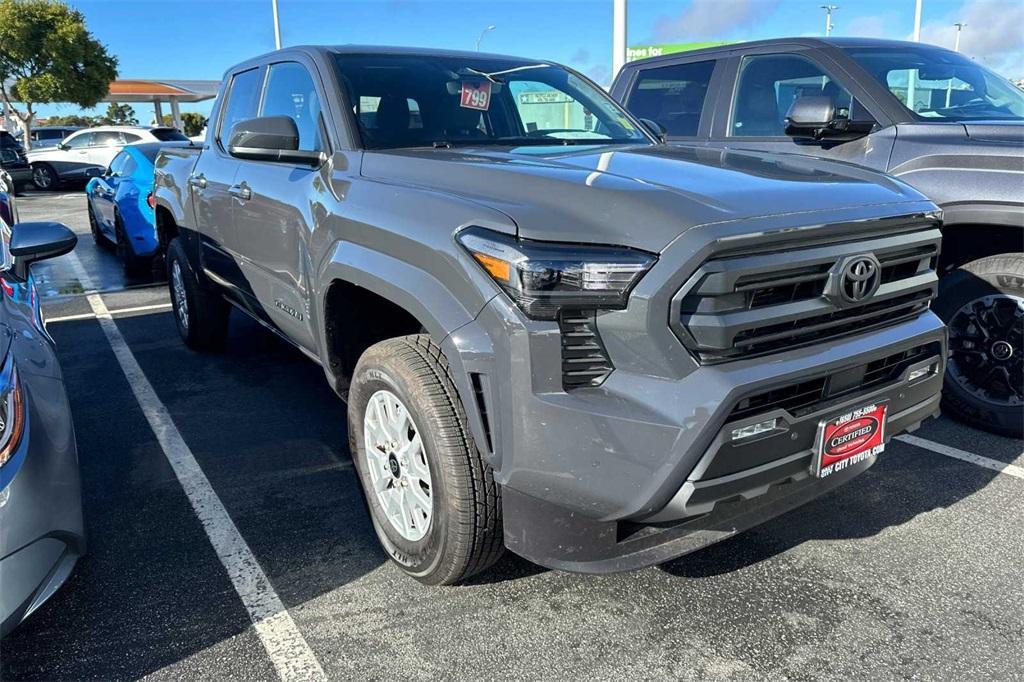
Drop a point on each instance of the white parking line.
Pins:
(285, 645)
(956, 453)
(115, 311)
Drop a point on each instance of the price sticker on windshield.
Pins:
(476, 95)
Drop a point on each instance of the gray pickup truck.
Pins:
(553, 332)
(960, 141)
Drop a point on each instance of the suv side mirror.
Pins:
(270, 138)
(815, 120)
(63, 147)
(31, 242)
(94, 172)
(656, 129)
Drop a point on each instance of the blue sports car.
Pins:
(120, 213)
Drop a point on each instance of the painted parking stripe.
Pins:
(956, 453)
(115, 311)
(285, 645)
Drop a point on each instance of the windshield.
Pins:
(415, 101)
(942, 85)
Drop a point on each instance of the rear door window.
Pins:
(107, 138)
(243, 102)
(673, 96)
(290, 92)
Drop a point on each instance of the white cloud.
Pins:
(994, 34)
(712, 19)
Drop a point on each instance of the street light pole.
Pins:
(618, 35)
(482, 34)
(828, 18)
(956, 48)
(277, 26)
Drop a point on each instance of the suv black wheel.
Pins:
(982, 303)
(433, 499)
(44, 177)
(134, 265)
(201, 315)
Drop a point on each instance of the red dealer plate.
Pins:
(849, 439)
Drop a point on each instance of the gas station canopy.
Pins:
(157, 92)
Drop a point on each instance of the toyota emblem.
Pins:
(855, 279)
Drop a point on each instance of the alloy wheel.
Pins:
(986, 343)
(42, 178)
(180, 299)
(397, 463)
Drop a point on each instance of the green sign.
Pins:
(645, 51)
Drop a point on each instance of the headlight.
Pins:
(12, 411)
(545, 277)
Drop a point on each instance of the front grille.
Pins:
(811, 395)
(585, 361)
(744, 306)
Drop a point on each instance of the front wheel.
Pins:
(432, 498)
(982, 304)
(200, 315)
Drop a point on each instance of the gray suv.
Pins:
(960, 142)
(554, 333)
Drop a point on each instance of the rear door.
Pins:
(105, 146)
(274, 205)
(763, 84)
(213, 176)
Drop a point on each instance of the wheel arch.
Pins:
(968, 235)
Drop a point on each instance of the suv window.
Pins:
(130, 137)
(290, 92)
(768, 86)
(80, 140)
(107, 138)
(673, 96)
(48, 135)
(243, 102)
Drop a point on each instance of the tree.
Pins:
(72, 120)
(193, 123)
(120, 115)
(49, 56)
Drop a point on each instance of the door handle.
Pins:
(240, 191)
(198, 181)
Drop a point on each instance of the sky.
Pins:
(183, 39)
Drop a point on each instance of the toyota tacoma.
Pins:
(554, 333)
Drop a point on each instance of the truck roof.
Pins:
(800, 41)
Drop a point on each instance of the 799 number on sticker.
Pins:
(476, 95)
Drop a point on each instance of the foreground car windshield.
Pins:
(414, 101)
(942, 84)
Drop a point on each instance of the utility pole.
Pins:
(618, 35)
(912, 75)
(482, 34)
(828, 18)
(956, 48)
(277, 26)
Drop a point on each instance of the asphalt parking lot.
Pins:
(914, 570)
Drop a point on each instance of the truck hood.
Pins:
(643, 197)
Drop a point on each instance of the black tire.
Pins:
(44, 177)
(134, 265)
(464, 535)
(203, 323)
(94, 227)
(982, 303)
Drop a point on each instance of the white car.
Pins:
(92, 148)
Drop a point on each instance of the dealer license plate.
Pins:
(849, 438)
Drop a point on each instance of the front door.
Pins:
(274, 210)
(752, 114)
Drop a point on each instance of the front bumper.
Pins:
(20, 176)
(638, 470)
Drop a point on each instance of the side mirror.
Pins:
(31, 242)
(63, 147)
(270, 138)
(94, 172)
(814, 120)
(656, 129)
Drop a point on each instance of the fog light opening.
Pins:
(921, 372)
(755, 429)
